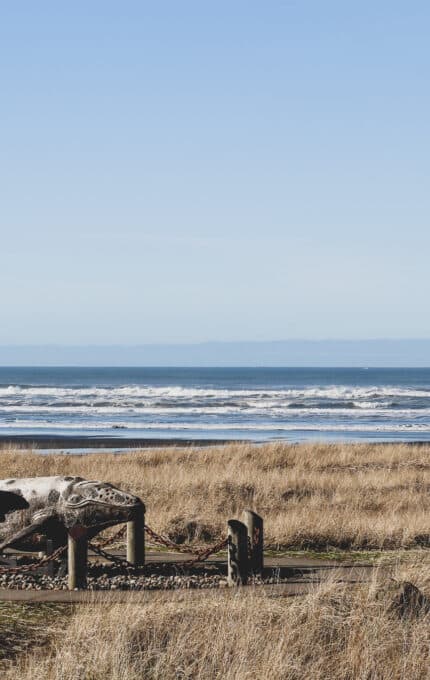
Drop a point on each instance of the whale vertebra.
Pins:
(34, 509)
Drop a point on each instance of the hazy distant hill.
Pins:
(280, 353)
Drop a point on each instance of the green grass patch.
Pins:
(362, 556)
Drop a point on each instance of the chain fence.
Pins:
(113, 539)
(34, 565)
(205, 553)
(119, 561)
(175, 547)
(199, 554)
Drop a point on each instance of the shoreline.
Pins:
(88, 442)
(83, 442)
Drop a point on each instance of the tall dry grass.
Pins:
(334, 633)
(311, 495)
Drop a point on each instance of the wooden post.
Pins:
(77, 559)
(49, 551)
(136, 539)
(254, 525)
(237, 553)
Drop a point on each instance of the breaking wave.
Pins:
(226, 404)
(178, 392)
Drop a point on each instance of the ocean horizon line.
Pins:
(274, 367)
(371, 353)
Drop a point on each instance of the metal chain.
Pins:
(199, 555)
(35, 565)
(50, 558)
(112, 558)
(116, 537)
(205, 553)
(167, 543)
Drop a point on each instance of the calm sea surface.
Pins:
(246, 403)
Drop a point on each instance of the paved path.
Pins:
(142, 596)
(303, 575)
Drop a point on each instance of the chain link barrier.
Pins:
(167, 543)
(205, 553)
(199, 555)
(35, 565)
(108, 541)
(96, 547)
(120, 561)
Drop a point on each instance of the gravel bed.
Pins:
(112, 578)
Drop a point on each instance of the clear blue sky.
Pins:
(189, 171)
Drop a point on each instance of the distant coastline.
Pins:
(380, 353)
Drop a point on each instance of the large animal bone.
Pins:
(57, 505)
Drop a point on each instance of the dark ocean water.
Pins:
(245, 403)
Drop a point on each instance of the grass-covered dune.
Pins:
(312, 496)
(334, 633)
(316, 496)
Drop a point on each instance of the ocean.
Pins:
(260, 404)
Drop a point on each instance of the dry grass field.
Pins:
(333, 633)
(311, 496)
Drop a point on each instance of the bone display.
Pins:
(56, 505)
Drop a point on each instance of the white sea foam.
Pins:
(178, 392)
(278, 427)
(263, 410)
(146, 408)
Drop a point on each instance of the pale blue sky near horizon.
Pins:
(184, 172)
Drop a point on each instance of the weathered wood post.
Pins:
(77, 554)
(254, 525)
(237, 553)
(136, 539)
(49, 551)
